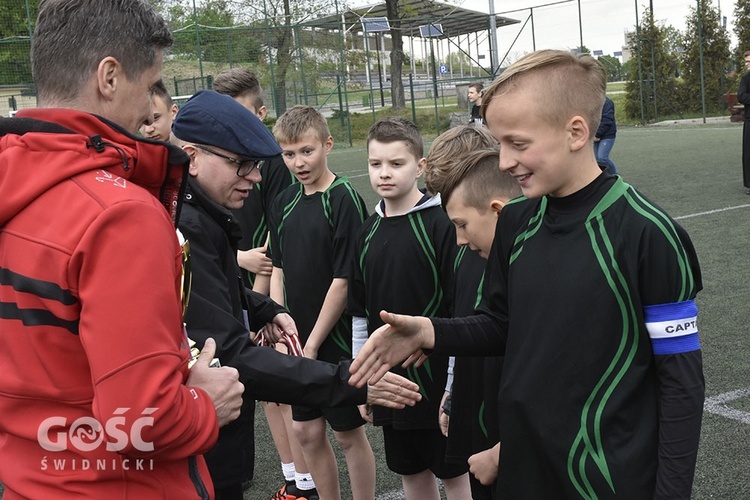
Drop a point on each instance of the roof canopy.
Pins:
(454, 20)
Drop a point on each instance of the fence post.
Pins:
(413, 104)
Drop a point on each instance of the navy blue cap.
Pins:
(215, 119)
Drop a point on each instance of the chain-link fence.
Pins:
(343, 75)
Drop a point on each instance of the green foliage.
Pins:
(15, 41)
(655, 78)
(742, 31)
(613, 67)
(716, 58)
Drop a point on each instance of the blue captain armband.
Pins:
(673, 328)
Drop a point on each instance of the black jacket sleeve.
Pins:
(267, 374)
(681, 394)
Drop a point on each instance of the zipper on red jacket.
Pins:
(195, 476)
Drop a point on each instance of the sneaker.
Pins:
(294, 493)
(281, 494)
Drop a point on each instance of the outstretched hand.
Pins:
(393, 391)
(399, 338)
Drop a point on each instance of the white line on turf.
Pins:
(718, 405)
(711, 212)
(391, 495)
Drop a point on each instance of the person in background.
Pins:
(743, 96)
(604, 139)
(475, 98)
(160, 128)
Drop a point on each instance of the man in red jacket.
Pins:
(96, 397)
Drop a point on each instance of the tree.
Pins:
(742, 31)
(656, 79)
(398, 98)
(716, 58)
(613, 67)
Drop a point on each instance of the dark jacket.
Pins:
(215, 310)
(743, 93)
(608, 127)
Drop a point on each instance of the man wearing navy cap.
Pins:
(226, 144)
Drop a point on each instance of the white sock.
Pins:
(288, 470)
(304, 481)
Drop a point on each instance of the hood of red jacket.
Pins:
(39, 148)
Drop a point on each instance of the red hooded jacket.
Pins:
(92, 352)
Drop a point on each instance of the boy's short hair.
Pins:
(299, 122)
(395, 128)
(747, 53)
(237, 82)
(160, 90)
(573, 85)
(477, 86)
(479, 171)
(448, 148)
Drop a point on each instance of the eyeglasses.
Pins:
(244, 167)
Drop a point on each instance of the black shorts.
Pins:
(345, 418)
(412, 451)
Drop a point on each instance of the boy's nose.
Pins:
(506, 160)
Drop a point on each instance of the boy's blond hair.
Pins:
(568, 84)
(395, 128)
(300, 122)
(479, 172)
(448, 148)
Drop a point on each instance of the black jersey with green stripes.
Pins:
(476, 380)
(404, 264)
(253, 216)
(588, 406)
(312, 240)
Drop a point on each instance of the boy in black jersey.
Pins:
(404, 261)
(473, 191)
(312, 226)
(590, 293)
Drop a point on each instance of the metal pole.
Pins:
(700, 52)
(274, 97)
(342, 34)
(198, 41)
(533, 35)
(640, 71)
(580, 24)
(28, 20)
(380, 73)
(494, 63)
(434, 87)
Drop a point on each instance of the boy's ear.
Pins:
(421, 164)
(262, 112)
(174, 110)
(328, 144)
(497, 206)
(578, 130)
